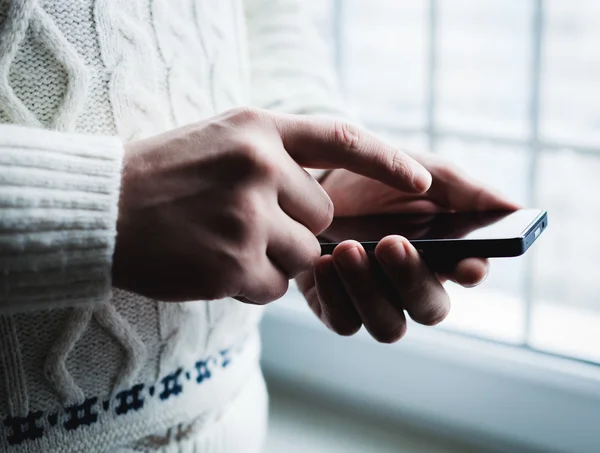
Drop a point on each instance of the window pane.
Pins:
(416, 142)
(495, 309)
(384, 56)
(567, 266)
(571, 98)
(487, 313)
(484, 62)
(503, 167)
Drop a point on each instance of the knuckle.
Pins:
(249, 152)
(255, 161)
(398, 164)
(267, 169)
(237, 229)
(244, 162)
(347, 135)
(244, 115)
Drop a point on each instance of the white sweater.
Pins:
(84, 368)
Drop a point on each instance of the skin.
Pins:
(347, 289)
(224, 208)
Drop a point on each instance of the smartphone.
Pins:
(451, 236)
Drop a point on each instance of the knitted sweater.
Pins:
(84, 367)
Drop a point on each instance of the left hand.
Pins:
(346, 289)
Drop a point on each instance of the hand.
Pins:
(224, 208)
(349, 289)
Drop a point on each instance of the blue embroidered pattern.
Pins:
(21, 429)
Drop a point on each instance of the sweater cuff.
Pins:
(58, 211)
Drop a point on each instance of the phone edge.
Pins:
(493, 248)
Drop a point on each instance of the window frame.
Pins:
(533, 142)
(501, 397)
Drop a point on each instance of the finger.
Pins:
(327, 144)
(303, 198)
(469, 272)
(423, 296)
(292, 247)
(384, 319)
(307, 286)
(336, 308)
(266, 283)
(454, 189)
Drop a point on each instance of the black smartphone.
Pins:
(444, 235)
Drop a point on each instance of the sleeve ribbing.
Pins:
(59, 197)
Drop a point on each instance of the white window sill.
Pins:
(300, 424)
(476, 389)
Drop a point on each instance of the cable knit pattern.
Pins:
(88, 368)
(29, 13)
(55, 365)
(135, 351)
(129, 54)
(12, 35)
(177, 44)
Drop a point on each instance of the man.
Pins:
(129, 189)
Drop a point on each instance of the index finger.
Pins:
(328, 144)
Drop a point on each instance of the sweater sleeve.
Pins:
(58, 210)
(290, 68)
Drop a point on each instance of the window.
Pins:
(508, 89)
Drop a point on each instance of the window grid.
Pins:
(338, 38)
(432, 63)
(534, 143)
(537, 40)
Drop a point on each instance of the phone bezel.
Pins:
(464, 248)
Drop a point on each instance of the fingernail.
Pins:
(393, 254)
(422, 180)
(350, 258)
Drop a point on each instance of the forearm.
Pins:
(58, 210)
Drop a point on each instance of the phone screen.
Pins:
(466, 225)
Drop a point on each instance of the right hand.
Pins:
(223, 208)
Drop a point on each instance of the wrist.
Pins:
(122, 219)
